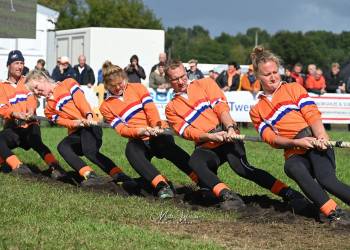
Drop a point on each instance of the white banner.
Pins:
(335, 108)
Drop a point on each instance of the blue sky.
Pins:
(233, 16)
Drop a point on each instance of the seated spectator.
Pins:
(194, 73)
(287, 77)
(64, 70)
(249, 82)
(134, 71)
(157, 79)
(229, 80)
(40, 65)
(297, 74)
(334, 80)
(316, 83)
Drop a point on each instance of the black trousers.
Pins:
(84, 142)
(314, 172)
(205, 162)
(139, 154)
(26, 138)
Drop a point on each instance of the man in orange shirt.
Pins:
(286, 117)
(315, 82)
(17, 106)
(199, 112)
(249, 82)
(67, 106)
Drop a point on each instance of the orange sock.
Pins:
(13, 161)
(277, 187)
(218, 188)
(328, 207)
(194, 177)
(49, 158)
(156, 180)
(85, 170)
(115, 170)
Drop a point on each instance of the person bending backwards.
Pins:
(131, 111)
(199, 112)
(286, 117)
(17, 107)
(67, 106)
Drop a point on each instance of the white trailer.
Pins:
(114, 44)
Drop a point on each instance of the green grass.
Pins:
(39, 215)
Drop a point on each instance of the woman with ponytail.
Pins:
(286, 117)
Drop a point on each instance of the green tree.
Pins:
(110, 13)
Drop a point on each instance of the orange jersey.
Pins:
(246, 85)
(66, 104)
(289, 111)
(198, 111)
(134, 110)
(313, 83)
(16, 98)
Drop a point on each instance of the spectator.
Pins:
(334, 80)
(297, 74)
(85, 74)
(162, 58)
(64, 70)
(194, 73)
(315, 83)
(40, 65)
(311, 69)
(287, 77)
(213, 74)
(25, 71)
(249, 82)
(229, 80)
(134, 71)
(99, 77)
(157, 79)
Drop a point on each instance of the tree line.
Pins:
(319, 47)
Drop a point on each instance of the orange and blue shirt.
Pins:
(133, 110)
(66, 104)
(285, 113)
(197, 111)
(16, 98)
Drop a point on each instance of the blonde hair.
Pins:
(260, 55)
(111, 71)
(36, 75)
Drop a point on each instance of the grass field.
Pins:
(51, 215)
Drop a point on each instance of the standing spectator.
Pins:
(40, 65)
(249, 82)
(194, 73)
(134, 71)
(316, 83)
(162, 59)
(334, 80)
(157, 79)
(229, 80)
(297, 74)
(85, 74)
(287, 77)
(64, 70)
